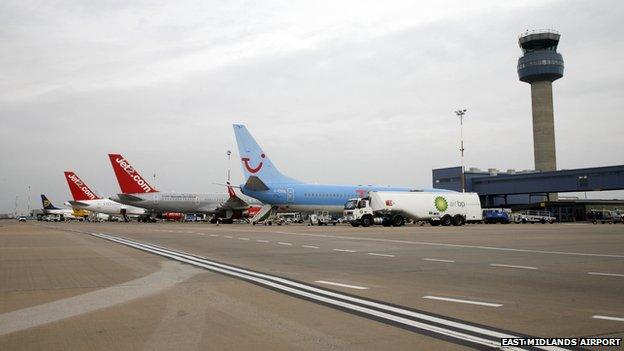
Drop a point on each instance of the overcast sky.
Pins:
(337, 91)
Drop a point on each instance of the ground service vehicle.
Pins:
(392, 208)
(531, 216)
(603, 216)
(496, 215)
(322, 218)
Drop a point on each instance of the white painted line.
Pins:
(438, 260)
(310, 246)
(344, 250)
(511, 266)
(488, 304)
(455, 245)
(617, 319)
(606, 274)
(373, 308)
(243, 238)
(228, 236)
(281, 243)
(342, 285)
(378, 254)
(213, 235)
(262, 241)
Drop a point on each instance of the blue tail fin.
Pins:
(254, 161)
(47, 204)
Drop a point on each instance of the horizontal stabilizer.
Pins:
(255, 184)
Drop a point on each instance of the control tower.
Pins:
(540, 65)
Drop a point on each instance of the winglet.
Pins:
(230, 190)
(130, 181)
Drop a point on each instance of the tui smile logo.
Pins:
(251, 169)
(441, 204)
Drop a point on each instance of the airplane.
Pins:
(63, 213)
(86, 199)
(281, 193)
(136, 191)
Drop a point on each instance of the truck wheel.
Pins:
(458, 220)
(446, 220)
(367, 221)
(543, 221)
(355, 224)
(434, 223)
(524, 220)
(398, 221)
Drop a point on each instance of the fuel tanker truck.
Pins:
(391, 208)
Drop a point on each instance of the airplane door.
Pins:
(196, 200)
(156, 198)
(290, 195)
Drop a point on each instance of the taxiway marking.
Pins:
(617, 319)
(341, 285)
(310, 246)
(170, 274)
(344, 250)
(378, 254)
(283, 243)
(262, 241)
(511, 266)
(243, 238)
(438, 260)
(495, 248)
(457, 331)
(606, 274)
(488, 304)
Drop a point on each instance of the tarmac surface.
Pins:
(95, 286)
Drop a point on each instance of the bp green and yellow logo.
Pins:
(441, 204)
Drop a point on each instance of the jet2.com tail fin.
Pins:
(80, 191)
(47, 204)
(130, 181)
(255, 162)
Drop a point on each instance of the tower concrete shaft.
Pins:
(543, 126)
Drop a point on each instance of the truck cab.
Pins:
(357, 211)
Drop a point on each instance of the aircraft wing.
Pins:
(128, 197)
(235, 203)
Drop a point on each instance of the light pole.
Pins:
(228, 153)
(460, 113)
(29, 200)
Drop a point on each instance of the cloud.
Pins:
(341, 92)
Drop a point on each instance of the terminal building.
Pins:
(540, 65)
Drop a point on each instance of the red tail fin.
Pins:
(80, 191)
(231, 190)
(130, 181)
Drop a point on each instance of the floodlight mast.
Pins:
(460, 113)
